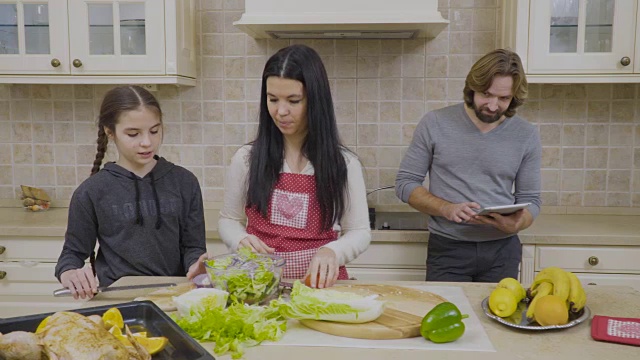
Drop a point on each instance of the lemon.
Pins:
(515, 287)
(43, 323)
(551, 310)
(113, 317)
(117, 333)
(153, 344)
(140, 334)
(502, 302)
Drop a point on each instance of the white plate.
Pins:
(519, 319)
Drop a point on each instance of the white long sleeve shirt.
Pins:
(355, 234)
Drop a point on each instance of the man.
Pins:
(477, 154)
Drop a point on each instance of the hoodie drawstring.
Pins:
(157, 200)
(139, 219)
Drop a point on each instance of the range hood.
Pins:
(341, 19)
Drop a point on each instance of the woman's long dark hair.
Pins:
(322, 145)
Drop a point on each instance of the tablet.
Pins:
(503, 209)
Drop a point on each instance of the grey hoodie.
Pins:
(119, 210)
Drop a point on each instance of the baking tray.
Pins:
(139, 316)
(519, 319)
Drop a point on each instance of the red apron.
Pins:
(293, 226)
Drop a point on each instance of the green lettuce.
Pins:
(235, 328)
(200, 299)
(244, 286)
(329, 305)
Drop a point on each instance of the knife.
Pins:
(101, 289)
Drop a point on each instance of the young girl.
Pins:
(145, 212)
(300, 191)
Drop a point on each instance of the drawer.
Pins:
(393, 255)
(590, 279)
(599, 259)
(23, 278)
(44, 248)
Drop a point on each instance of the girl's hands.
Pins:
(197, 267)
(256, 245)
(80, 282)
(323, 269)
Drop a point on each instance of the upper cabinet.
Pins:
(81, 41)
(574, 41)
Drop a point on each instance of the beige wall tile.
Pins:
(572, 180)
(21, 110)
(618, 199)
(624, 91)
(618, 180)
(85, 154)
(599, 91)
(191, 134)
(413, 89)
(367, 112)
(574, 111)
(65, 154)
(5, 154)
(43, 154)
(390, 156)
(550, 134)
(172, 133)
(437, 66)
(575, 92)
(368, 66)
(549, 198)
(367, 134)
(573, 135)
(345, 112)
(460, 43)
(45, 176)
(347, 133)
(597, 135)
(598, 111)
(596, 158)
(550, 111)
(5, 111)
(390, 47)
(390, 66)
(390, 89)
(636, 181)
(6, 176)
(413, 66)
(462, 20)
(20, 91)
(636, 158)
(620, 135)
(570, 198)
(573, 158)
(22, 132)
(595, 180)
(346, 66)
(234, 67)
(550, 180)
(369, 47)
(390, 112)
(22, 154)
(65, 175)
(390, 134)
(620, 158)
(367, 90)
(623, 111)
(550, 157)
(594, 199)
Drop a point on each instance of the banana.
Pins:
(577, 297)
(558, 277)
(544, 288)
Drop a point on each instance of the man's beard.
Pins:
(487, 119)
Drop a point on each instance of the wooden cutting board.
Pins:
(163, 297)
(402, 317)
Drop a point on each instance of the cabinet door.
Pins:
(109, 37)
(28, 278)
(33, 37)
(581, 36)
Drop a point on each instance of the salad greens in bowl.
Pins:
(248, 277)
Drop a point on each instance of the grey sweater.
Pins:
(496, 168)
(120, 210)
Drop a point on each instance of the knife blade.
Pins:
(101, 289)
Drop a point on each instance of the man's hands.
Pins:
(80, 282)
(459, 213)
(323, 269)
(509, 224)
(255, 244)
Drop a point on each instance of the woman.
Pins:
(300, 191)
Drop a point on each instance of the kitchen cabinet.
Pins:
(27, 265)
(83, 41)
(594, 265)
(390, 261)
(574, 41)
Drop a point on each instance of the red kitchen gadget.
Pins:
(615, 329)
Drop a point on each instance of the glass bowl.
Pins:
(248, 277)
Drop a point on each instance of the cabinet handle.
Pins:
(592, 284)
(3, 274)
(55, 62)
(77, 63)
(593, 261)
(625, 61)
(2, 249)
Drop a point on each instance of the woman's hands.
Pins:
(255, 244)
(80, 282)
(197, 267)
(323, 269)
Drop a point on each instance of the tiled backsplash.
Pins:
(590, 133)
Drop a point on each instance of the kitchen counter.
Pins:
(558, 229)
(510, 344)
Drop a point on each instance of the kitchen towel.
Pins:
(474, 338)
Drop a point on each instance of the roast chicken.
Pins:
(69, 336)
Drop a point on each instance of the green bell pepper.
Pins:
(443, 323)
